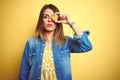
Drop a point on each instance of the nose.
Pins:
(49, 19)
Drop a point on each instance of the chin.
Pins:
(49, 30)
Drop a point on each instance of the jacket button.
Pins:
(43, 44)
(40, 66)
(30, 55)
(38, 78)
(61, 52)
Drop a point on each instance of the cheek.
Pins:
(44, 21)
(54, 25)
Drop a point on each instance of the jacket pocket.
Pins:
(32, 58)
(64, 55)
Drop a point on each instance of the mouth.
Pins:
(49, 25)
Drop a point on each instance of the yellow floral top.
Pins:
(48, 69)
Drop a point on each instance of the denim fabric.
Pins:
(32, 57)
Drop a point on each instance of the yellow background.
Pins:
(18, 19)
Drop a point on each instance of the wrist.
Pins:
(71, 24)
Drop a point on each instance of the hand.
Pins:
(67, 20)
(63, 18)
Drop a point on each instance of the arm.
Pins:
(24, 71)
(67, 20)
(80, 41)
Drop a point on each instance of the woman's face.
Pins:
(48, 24)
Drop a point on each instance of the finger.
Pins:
(61, 21)
(64, 16)
(57, 13)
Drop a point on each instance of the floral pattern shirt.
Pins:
(48, 69)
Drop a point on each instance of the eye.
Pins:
(45, 16)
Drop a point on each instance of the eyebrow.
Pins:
(48, 15)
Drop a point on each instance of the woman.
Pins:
(47, 56)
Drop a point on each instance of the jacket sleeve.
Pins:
(24, 70)
(80, 43)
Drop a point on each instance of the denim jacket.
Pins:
(32, 57)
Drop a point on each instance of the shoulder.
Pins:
(32, 41)
(68, 38)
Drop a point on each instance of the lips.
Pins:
(49, 25)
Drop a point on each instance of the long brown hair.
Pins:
(58, 36)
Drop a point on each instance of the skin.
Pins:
(65, 19)
(47, 20)
(49, 30)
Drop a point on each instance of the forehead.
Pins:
(48, 11)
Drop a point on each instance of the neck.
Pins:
(49, 37)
